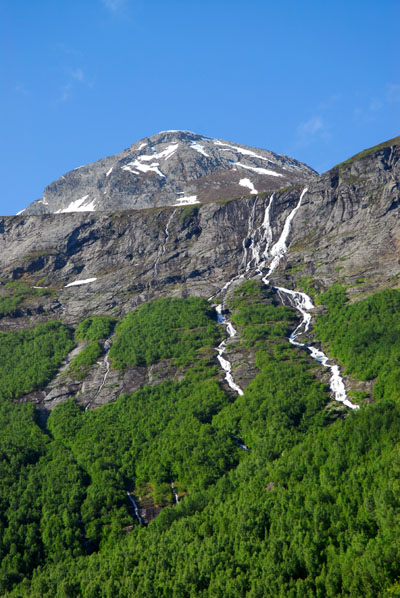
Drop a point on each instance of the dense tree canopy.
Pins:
(311, 509)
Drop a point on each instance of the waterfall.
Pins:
(164, 245)
(135, 507)
(260, 242)
(303, 304)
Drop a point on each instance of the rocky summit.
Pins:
(172, 168)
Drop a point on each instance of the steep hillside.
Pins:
(170, 168)
(203, 400)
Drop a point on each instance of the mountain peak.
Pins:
(174, 167)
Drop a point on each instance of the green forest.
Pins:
(311, 509)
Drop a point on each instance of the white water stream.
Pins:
(303, 304)
(225, 364)
(107, 347)
(260, 241)
(164, 245)
(135, 507)
(174, 492)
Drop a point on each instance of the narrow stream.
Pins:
(135, 507)
(303, 304)
(174, 492)
(164, 245)
(107, 347)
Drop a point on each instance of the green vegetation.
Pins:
(94, 328)
(80, 365)
(30, 358)
(365, 336)
(14, 293)
(311, 510)
(307, 284)
(188, 213)
(334, 297)
(260, 319)
(369, 152)
(164, 329)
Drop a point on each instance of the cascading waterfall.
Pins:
(279, 250)
(164, 245)
(303, 304)
(135, 508)
(174, 493)
(225, 364)
(250, 226)
(264, 232)
(260, 242)
(232, 332)
(107, 347)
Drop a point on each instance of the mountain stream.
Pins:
(258, 248)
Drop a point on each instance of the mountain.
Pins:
(203, 400)
(170, 168)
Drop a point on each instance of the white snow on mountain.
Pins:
(257, 169)
(137, 165)
(79, 206)
(199, 148)
(77, 283)
(186, 201)
(247, 183)
(241, 150)
(167, 153)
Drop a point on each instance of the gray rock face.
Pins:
(348, 226)
(347, 229)
(171, 168)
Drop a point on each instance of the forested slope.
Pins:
(310, 509)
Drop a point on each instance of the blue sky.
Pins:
(83, 79)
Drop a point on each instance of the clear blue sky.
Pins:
(83, 79)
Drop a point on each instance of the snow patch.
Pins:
(77, 283)
(167, 153)
(109, 171)
(79, 205)
(177, 131)
(243, 151)
(257, 169)
(247, 183)
(199, 148)
(21, 211)
(143, 167)
(186, 201)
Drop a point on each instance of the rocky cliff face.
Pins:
(348, 225)
(171, 168)
(346, 228)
